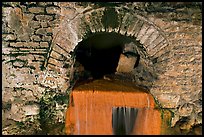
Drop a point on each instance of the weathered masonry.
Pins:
(41, 42)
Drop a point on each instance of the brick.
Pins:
(27, 17)
(31, 44)
(17, 44)
(150, 30)
(44, 44)
(55, 55)
(8, 37)
(46, 38)
(142, 31)
(36, 9)
(55, 62)
(25, 44)
(138, 27)
(54, 68)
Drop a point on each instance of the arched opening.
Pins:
(100, 52)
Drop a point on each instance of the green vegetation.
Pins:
(52, 104)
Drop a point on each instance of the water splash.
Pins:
(76, 109)
(123, 120)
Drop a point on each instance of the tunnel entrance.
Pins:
(99, 54)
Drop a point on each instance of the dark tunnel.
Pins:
(99, 53)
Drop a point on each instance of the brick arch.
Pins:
(71, 32)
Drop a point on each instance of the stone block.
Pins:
(53, 68)
(45, 18)
(53, 10)
(16, 44)
(56, 55)
(55, 62)
(185, 110)
(168, 100)
(44, 31)
(27, 17)
(44, 24)
(4, 44)
(35, 38)
(44, 44)
(54, 23)
(24, 44)
(126, 64)
(60, 50)
(6, 50)
(31, 109)
(47, 38)
(8, 37)
(36, 9)
(44, 3)
(15, 109)
(41, 31)
(34, 24)
(31, 44)
(18, 64)
(152, 37)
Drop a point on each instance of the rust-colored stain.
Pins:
(90, 109)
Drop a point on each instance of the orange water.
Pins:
(91, 106)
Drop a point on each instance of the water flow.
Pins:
(77, 119)
(123, 120)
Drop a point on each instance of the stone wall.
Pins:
(38, 40)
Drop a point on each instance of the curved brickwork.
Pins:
(81, 26)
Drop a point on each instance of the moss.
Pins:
(61, 99)
(49, 117)
(110, 18)
(6, 105)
